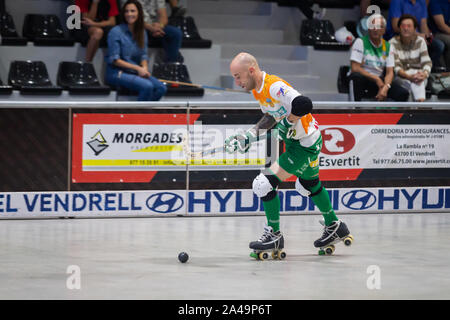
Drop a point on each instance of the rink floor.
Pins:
(394, 256)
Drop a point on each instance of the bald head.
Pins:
(245, 59)
(244, 68)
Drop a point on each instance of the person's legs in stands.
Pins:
(360, 85)
(419, 91)
(436, 50)
(159, 89)
(149, 89)
(305, 7)
(95, 35)
(397, 92)
(176, 10)
(445, 38)
(172, 42)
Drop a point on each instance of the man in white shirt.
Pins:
(372, 66)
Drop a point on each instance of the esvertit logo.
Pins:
(337, 141)
(98, 143)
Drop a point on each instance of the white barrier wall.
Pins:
(109, 204)
(172, 194)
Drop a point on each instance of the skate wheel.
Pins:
(329, 250)
(274, 255)
(348, 240)
(281, 255)
(263, 255)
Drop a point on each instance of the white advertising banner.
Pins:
(139, 147)
(215, 202)
(385, 146)
(133, 147)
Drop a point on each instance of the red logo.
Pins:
(337, 141)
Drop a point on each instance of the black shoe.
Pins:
(269, 240)
(333, 233)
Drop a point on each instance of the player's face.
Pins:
(131, 13)
(242, 77)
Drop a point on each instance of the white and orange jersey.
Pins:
(275, 98)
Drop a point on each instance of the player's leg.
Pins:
(265, 187)
(303, 162)
(334, 229)
(319, 195)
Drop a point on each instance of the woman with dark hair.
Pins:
(127, 59)
(412, 62)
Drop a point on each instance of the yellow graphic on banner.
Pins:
(170, 162)
(164, 148)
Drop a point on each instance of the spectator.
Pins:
(417, 8)
(98, 17)
(412, 62)
(176, 10)
(155, 21)
(127, 60)
(372, 66)
(439, 11)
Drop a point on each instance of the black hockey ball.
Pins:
(183, 257)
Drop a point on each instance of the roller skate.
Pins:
(271, 243)
(333, 234)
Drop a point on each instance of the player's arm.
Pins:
(301, 106)
(267, 122)
(297, 104)
(242, 141)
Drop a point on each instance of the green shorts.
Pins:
(301, 161)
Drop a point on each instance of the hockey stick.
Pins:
(202, 86)
(211, 151)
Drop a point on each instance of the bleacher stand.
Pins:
(180, 32)
(31, 77)
(321, 35)
(174, 71)
(45, 30)
(8, 32)
(80, 78)
(4, 90)
(191, 36)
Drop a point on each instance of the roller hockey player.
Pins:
(285, 109)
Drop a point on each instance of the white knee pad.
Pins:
(261, 186)
(301, 189)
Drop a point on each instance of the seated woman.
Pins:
(127, 59)
(412, 62)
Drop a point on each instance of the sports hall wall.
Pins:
(97, 160)
(59, 157)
